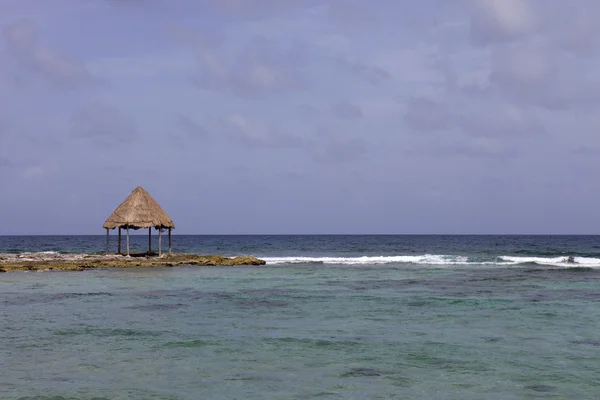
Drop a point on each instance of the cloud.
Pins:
(505, 120)
(308, 111)
(255, 9)
(196, 38)
(479, 94)
(238, 129)
(482, 120)
(22, 41)
(131, 173)
(20, 36)
(28, 168)
(135, 3)
(254, 59)
(527, 68)
(566, 26)
(104, 125)
(3, 127)
(574, 29)
(5, 163)
(427, 115)
(256, 134)
(541, 76)
(259, 67)
(33, 172)
(522, 65)
(351, 15)
(339, 110)
(370, 73)
(334, 145)
(494, 21)
(586, 151)
(346, 111)
(187, 129)
(191, 128)
(140, 68)
(480, 147)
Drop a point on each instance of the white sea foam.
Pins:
(590, 262)
(29, 253)
(441, 260)
(422, 259)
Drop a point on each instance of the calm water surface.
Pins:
(323, 323)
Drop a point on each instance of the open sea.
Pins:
(328, 317)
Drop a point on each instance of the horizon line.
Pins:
(314, 234)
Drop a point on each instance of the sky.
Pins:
(302, 116)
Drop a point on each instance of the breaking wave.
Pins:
(33, 253)
(442, 260)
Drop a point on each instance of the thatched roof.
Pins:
(139, 210)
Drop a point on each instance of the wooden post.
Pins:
(160, 241)
(149, 240)
(119, 245)
(127, 241)
(106, 241)
(170, 241)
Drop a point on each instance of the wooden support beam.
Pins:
(119, 245)
(106, 241)
(127, 241)
(160, 241)
(170, 242)
(150, 240)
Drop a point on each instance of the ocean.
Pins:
(328, 317)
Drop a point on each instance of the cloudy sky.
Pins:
(302, 116)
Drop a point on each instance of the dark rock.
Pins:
(363, 372)
(541, 388)
(588, 342)
(492, 339)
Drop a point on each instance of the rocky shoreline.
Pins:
(81, 262)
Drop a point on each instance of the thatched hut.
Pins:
(139, 211)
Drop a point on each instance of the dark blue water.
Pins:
(346, 249)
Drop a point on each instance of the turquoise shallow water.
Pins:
(302, 331)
